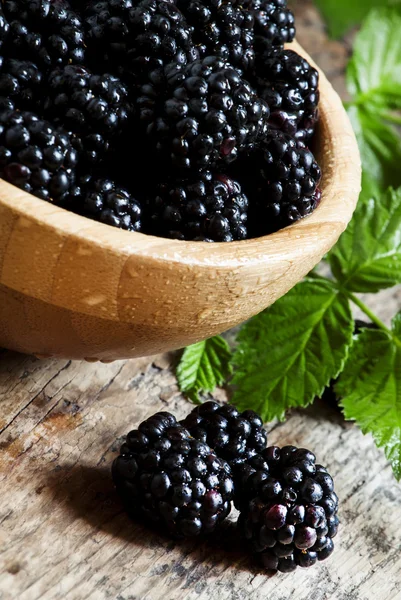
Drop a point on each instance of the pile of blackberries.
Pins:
(96, 95)
(184, 476)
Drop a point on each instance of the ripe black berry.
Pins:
(288, 508)
(94, 106)
(281, 180)
(274, 24)
(20, 82)
(45, 31)
(172, 479)
(223, 29)
(234, 436)
(202, 207)
(103, 200)
(289, 85)
(134, 38)
(206, 114)
(36, 157)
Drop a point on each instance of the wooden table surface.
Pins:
(63, 534)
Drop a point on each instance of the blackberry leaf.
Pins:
(341, 15)
(204, 366)
(367, 257)
(370, 386)
(288, 354)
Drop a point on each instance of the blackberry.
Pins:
(173, 480)
(135, 38)
(281, 180)
(288, 508)
(94, 106)
(205, 116)
(20, 82)
(274, 24)
(289, 85)
(35, 156)
(105, 201)
(221, 28)
(4, 27)
(207, 207)
(234, 436)
(45, 31)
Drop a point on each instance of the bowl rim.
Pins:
(344, 163)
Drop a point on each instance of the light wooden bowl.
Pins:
(71, 287)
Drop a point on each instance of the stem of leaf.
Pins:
(369, 313)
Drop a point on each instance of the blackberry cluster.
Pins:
(234, 436)
(20, 81)
(223, 29)
(200, 91)
(105, 201)
(48, 32)
(35, 156)
(207, 115)
(172, 479)
(134, 38)
(289, 84)
(184, 477)
(274, 24)
(208, 207)
(288, 508)
(94, 106)
(281, 179)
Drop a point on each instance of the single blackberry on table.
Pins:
(94, 106)
(36, 157)
(206, 114)
(234, 436)
(20, 83)
(136, 37)
(172, 479)
(281, 180)
(221, 28)
(204, 207)
(288, 508)
(48, 32)
(105, 201)
(289, 85)
(274, 24)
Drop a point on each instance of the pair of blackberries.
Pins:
(185, 475)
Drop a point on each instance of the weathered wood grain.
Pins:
(63, 533)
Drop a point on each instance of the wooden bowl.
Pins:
(71, 287)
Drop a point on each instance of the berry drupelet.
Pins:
(289, 85)
(94, 106)
(204, 207)
(205, 116)
(172, 479)
(281, 180)
(105, 201)
(20, 83)
(274, 24)
(35, 156)
(48, 32)
(234, 436)
(288, 508)
(134, 38)
(223, 29)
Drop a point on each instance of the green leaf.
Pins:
(341, 15)
(288, 354)
(374, 71)
(367, 257)
(370, 386)
(379, 145)
(204, 366)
